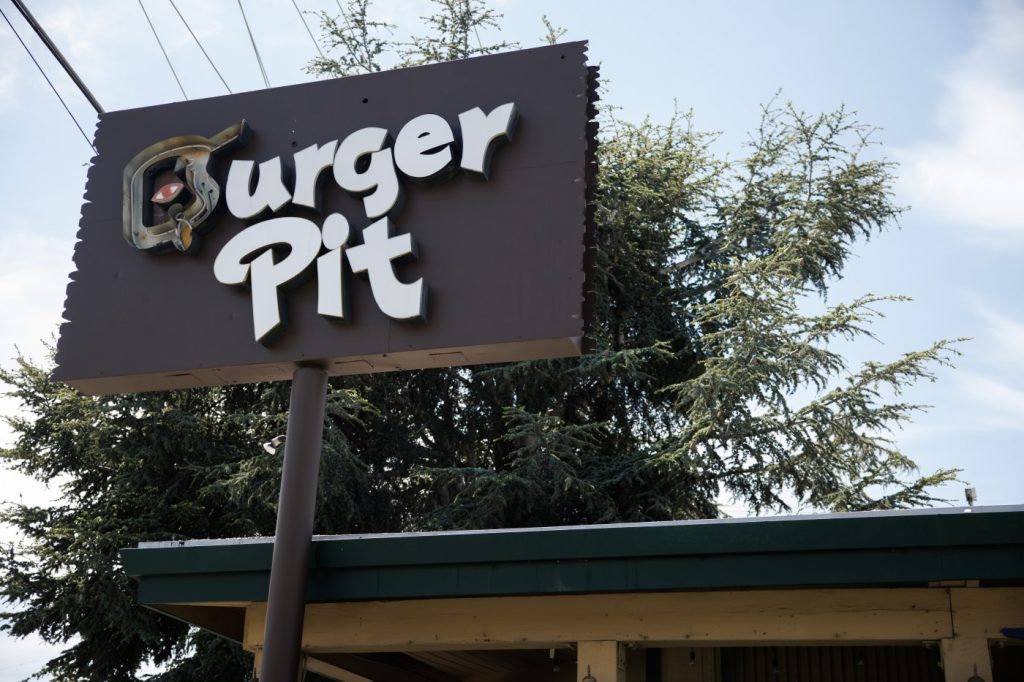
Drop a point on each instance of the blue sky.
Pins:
(943, 81)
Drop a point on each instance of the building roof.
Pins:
(897, 548)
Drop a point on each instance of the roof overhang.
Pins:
(902, 548)
(380, 603)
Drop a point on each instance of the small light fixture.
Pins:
(273, 444)
(591, 678)
(972, 496)
(975, 677)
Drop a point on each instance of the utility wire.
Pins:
(182, 17)
(20, 6)
(266, 81)
(160, 43)
(31, 56)
(315, 43)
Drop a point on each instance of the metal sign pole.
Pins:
(293, 538)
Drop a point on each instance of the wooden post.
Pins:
(602, 660)
(960, 655)
(257, 662)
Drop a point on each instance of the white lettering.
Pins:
(270, 190)
(330, 277)
(481, 134)
(266, 275)
(309, 163)
(423, 147)
(378, 183)
(364, 165)
(396, 299)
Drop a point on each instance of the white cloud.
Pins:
(1001, 405)
(983, 395)
(10, 50)
(974, 176)
(207, 20)
(88, 29)
(24, 656)
(1005, 335)
(977, 404)
(78, 28)
(12, 56)
(33, 278)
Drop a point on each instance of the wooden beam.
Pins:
(756, 617)
(602, 661)
(226, 621)
(982, 612)
(332, 672)
(320, 667)
(961, 656)
(393, 667)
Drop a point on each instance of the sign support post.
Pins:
(293, 537)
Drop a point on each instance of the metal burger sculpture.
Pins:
(463, 253)
(181, 169)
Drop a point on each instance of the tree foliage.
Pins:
(715, 373)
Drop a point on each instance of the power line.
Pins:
(160, 43)
(49, 82)
(266, 81)
(20, 6)
(182, 17)
(315, 43)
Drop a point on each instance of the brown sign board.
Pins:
(487, 235)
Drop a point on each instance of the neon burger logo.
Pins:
(365, 164)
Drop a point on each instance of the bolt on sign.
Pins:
(424, 217)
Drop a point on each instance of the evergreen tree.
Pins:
(709, 378)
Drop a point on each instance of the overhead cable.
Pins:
(58, 55)
(182, 17)
(48, 81)
(160, 43)
(266, 81)
(315, 43)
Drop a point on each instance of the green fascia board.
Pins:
(899, 548)
(746, 536)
